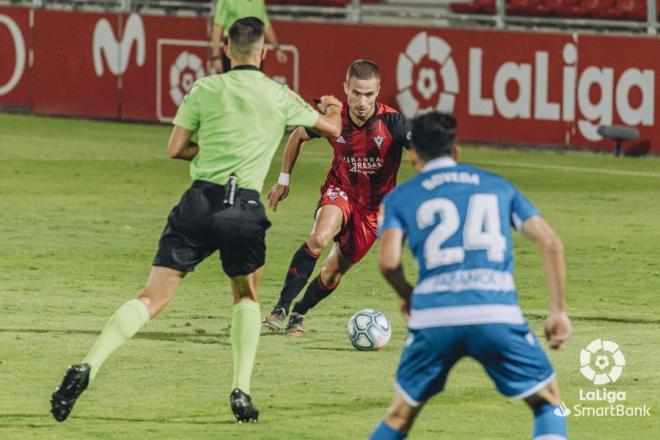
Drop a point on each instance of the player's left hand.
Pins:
(558, 328)
(277, 192)
(281, 56)
(214, 66)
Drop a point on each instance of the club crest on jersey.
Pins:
(333, 192)
(340, 140)
(379, 141)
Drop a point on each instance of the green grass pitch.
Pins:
(82, 205)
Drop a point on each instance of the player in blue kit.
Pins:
(457, 220)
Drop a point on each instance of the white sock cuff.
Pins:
(140, 308)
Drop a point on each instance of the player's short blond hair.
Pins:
(362, 69)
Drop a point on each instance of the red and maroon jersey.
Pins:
(367, 158)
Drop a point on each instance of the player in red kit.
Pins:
(366, 160)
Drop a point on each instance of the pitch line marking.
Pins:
(571, 168)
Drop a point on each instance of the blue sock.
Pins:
(384, 432)
(548, 423)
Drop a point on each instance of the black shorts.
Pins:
(202, 223)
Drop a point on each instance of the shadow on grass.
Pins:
(599, 318)
(161, 420)
(330, 348)
(197, 338)
(30, 424)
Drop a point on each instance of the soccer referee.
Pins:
(239, 117)
(226, 13)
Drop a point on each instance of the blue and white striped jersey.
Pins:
(457, 219)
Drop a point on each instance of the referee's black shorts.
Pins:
(202, 223)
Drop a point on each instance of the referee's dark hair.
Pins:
(362, 69)
(433, 135)
(244, 36)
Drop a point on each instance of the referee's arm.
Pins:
(180, 145)
(329, 123)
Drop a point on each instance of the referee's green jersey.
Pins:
(228, 11)
(240, 117)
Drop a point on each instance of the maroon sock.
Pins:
(300, 269)
(314, 294)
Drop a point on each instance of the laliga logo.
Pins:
(183, 73)
(19, 47)
(563, 410)
(602, 362)
(420, 69)
(596, 92)
(116, 52)
(533, 83)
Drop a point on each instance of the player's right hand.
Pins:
(277, 192)
(281, 56)
(327, 101)
(558, 329)
(214, 66)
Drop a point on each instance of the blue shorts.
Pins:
(510, 354)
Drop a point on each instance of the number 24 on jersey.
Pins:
(481, 229)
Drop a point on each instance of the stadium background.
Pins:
(117, 64)
(82, 203)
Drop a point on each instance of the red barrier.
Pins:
(550, 89)
(520, 87)
(179, 58)
(146, 87)
(74, 58)
(14, 51)
(620, 73)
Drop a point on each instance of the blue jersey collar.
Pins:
(439, 162)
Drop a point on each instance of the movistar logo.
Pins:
(117, 52)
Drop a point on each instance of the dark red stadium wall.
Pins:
(65, 79)
(140, 91)
(535, 88)
(628, 61)
(176, 47)
(14, 57)
(386, 46)
(570, 83)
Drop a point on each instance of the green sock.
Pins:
(245, 328)
(121, 326)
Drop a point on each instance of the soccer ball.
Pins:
(369, 330)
